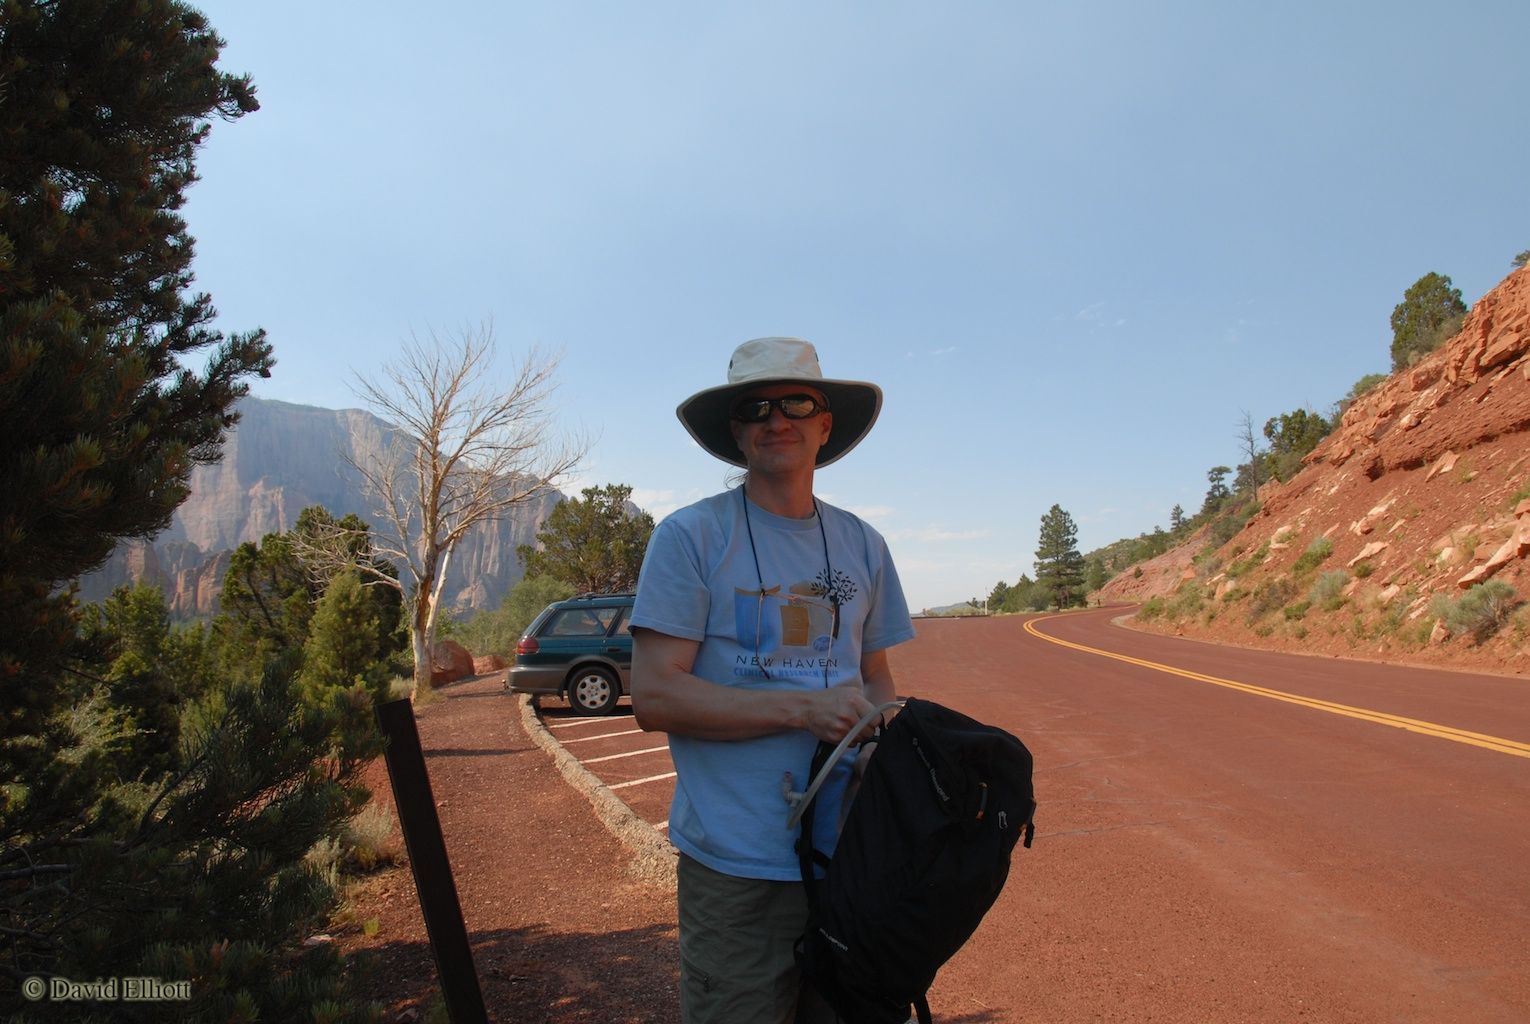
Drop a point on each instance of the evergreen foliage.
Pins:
(271, 590)
(593, 542)
(349, 644)
(155, 809)
(1520, 259)
(1217, 494)
(497, 631)
(268, 597)
(1059, 566)
(104, 105)
(1292, 435)
(1430, 312)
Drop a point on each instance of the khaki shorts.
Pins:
(736, 961)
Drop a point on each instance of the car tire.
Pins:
(593, 690)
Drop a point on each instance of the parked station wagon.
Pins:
(580, 649)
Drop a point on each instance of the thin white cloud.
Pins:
(936, 535)
(873, 514)
(943, 351)
(1096, 316)
(659, 502)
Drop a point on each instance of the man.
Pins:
(761, 626)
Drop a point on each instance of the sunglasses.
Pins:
(793, 407)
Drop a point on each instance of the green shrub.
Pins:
(1299, 631)
(1243, 565)
(367, 838)
(1479, 612)
(1314, 556)
(1152, 609)
(1269, 595)
(1364, 569)
(1328, 591)
(1391, 618)
(1294, 612)
(1187, 601)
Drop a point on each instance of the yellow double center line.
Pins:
(1443, 732)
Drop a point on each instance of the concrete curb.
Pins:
(653, 859)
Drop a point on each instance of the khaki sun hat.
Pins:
(855, 404)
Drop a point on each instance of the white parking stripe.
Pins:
(639, 782)
(571, 723)
(602, 736)
(630, 753)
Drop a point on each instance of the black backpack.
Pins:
(923, 854)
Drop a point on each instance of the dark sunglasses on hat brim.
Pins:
(793, 407)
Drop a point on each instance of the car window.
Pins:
(624, 627)
(580, 622)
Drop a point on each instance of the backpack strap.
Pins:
(809, 858)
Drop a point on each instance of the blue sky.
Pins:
(1073, 243)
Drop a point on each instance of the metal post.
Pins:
(427, 858)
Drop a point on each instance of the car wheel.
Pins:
(593, 690)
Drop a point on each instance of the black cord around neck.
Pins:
(828, 582)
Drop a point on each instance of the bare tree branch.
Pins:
(465, 453)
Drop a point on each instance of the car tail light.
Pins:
(526, 645)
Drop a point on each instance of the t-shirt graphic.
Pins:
(802, 615)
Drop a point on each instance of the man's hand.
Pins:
(837, 710)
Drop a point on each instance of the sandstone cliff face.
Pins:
(1419, 492)
(279, 460)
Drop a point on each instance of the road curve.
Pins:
(1230, 835)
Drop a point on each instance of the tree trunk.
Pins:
(420, 635)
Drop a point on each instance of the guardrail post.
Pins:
(427, 859)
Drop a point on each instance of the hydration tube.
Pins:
(800, 802)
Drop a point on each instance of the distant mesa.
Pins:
(280, 459)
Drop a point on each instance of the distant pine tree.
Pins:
(1430, 312)
(1059, 566)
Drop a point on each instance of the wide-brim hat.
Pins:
(854, 404)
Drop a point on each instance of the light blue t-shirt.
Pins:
(768, 629)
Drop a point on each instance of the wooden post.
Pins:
(427, 858)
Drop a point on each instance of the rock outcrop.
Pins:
(1419, 492)
(449, 662)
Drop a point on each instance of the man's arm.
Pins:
(877, 679)
(668, 697)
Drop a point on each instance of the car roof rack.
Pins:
(591, 595)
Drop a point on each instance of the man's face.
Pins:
(778, 444)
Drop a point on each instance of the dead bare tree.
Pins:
(464, 453)
(1251, 473)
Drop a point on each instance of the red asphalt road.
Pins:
(1210, 855)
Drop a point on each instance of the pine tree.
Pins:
(154, 817)
(594, 543)
(1430, 312)
(1177, 522)
(103, 105)
(349, 643)
(1059, 566)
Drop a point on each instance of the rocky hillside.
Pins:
(279, 460)
(1421, 493)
